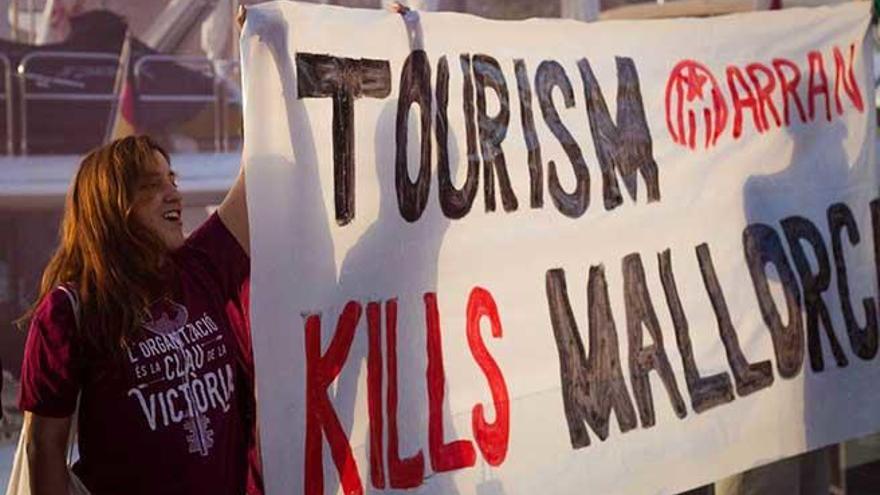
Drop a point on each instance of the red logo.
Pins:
(693, 98)
(763, 96)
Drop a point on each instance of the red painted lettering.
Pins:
(321, 371)
(789, 86)
(818, 85)
(759, 87)
(409, 472)
(492, 438)
(844, 74)
(742, 98)
(374, 393)
(692, 91)
(458, 453)
(764, 92)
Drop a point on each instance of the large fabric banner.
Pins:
(555, 257)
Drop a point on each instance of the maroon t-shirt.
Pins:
(175, 415)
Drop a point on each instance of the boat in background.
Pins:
(58, 98)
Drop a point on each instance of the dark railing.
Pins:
(6, 96)
(60, 89)
(87, 77)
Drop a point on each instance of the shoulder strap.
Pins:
(71, 439)
(74, 302)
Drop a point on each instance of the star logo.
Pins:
(695, 107)
(695, 82)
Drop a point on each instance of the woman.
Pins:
(146, 330)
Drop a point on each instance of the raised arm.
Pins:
(233, 212)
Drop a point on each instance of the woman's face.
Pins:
(157, 202)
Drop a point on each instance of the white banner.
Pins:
(548, 256)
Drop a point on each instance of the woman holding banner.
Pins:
(143, 334)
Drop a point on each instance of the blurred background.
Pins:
(77, 73)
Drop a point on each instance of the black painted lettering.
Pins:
(762, 245)
(625, 148)
(533, 146)
(644, 359)
(415, 87)
(454, 202)
(875, 226)
(493, 130)
(591, 387)
(748, 377)
(470, 113)
(551, 75)
(343, 80)
(862, 340)
(798, 229)
(706, 392)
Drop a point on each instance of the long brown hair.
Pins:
(113, 263)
